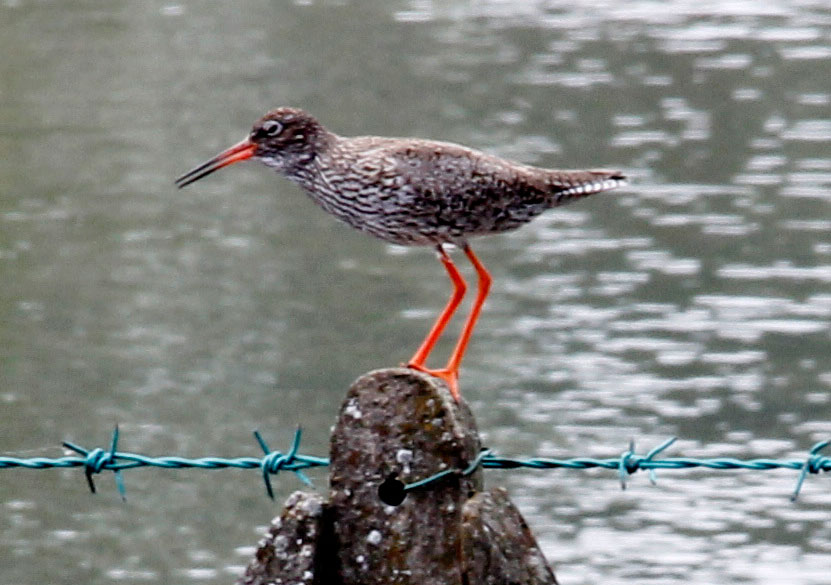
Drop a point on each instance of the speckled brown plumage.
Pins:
(412, 192)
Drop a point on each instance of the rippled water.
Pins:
(695, 303)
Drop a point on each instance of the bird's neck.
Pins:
(308, 169)
(300, 165)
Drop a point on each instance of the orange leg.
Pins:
(450, 373)
(484, 287)
(459, 288)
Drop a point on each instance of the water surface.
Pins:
(695, 303)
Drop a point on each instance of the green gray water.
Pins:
(696, 302)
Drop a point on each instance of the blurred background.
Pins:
(695, 302)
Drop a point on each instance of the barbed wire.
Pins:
(98, 460)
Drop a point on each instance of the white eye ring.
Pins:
(272, 127)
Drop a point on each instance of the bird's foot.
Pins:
(446, 374)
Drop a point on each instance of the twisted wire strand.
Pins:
(98, 460)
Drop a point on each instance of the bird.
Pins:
(411, 192)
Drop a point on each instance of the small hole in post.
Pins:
(391, 491)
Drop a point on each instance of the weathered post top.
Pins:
(398, 426)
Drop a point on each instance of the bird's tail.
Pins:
(568, 185)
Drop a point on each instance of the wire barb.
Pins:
(275, 461)
(630, 462)
(813, 464)
(97, 460)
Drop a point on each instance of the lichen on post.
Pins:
(396, 427)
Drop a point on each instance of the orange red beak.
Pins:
(242, 150)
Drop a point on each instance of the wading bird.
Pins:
(411, 192)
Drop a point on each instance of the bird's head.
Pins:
(282, 139)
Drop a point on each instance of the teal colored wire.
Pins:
(98, 460)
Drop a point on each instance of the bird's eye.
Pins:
(272, 128)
